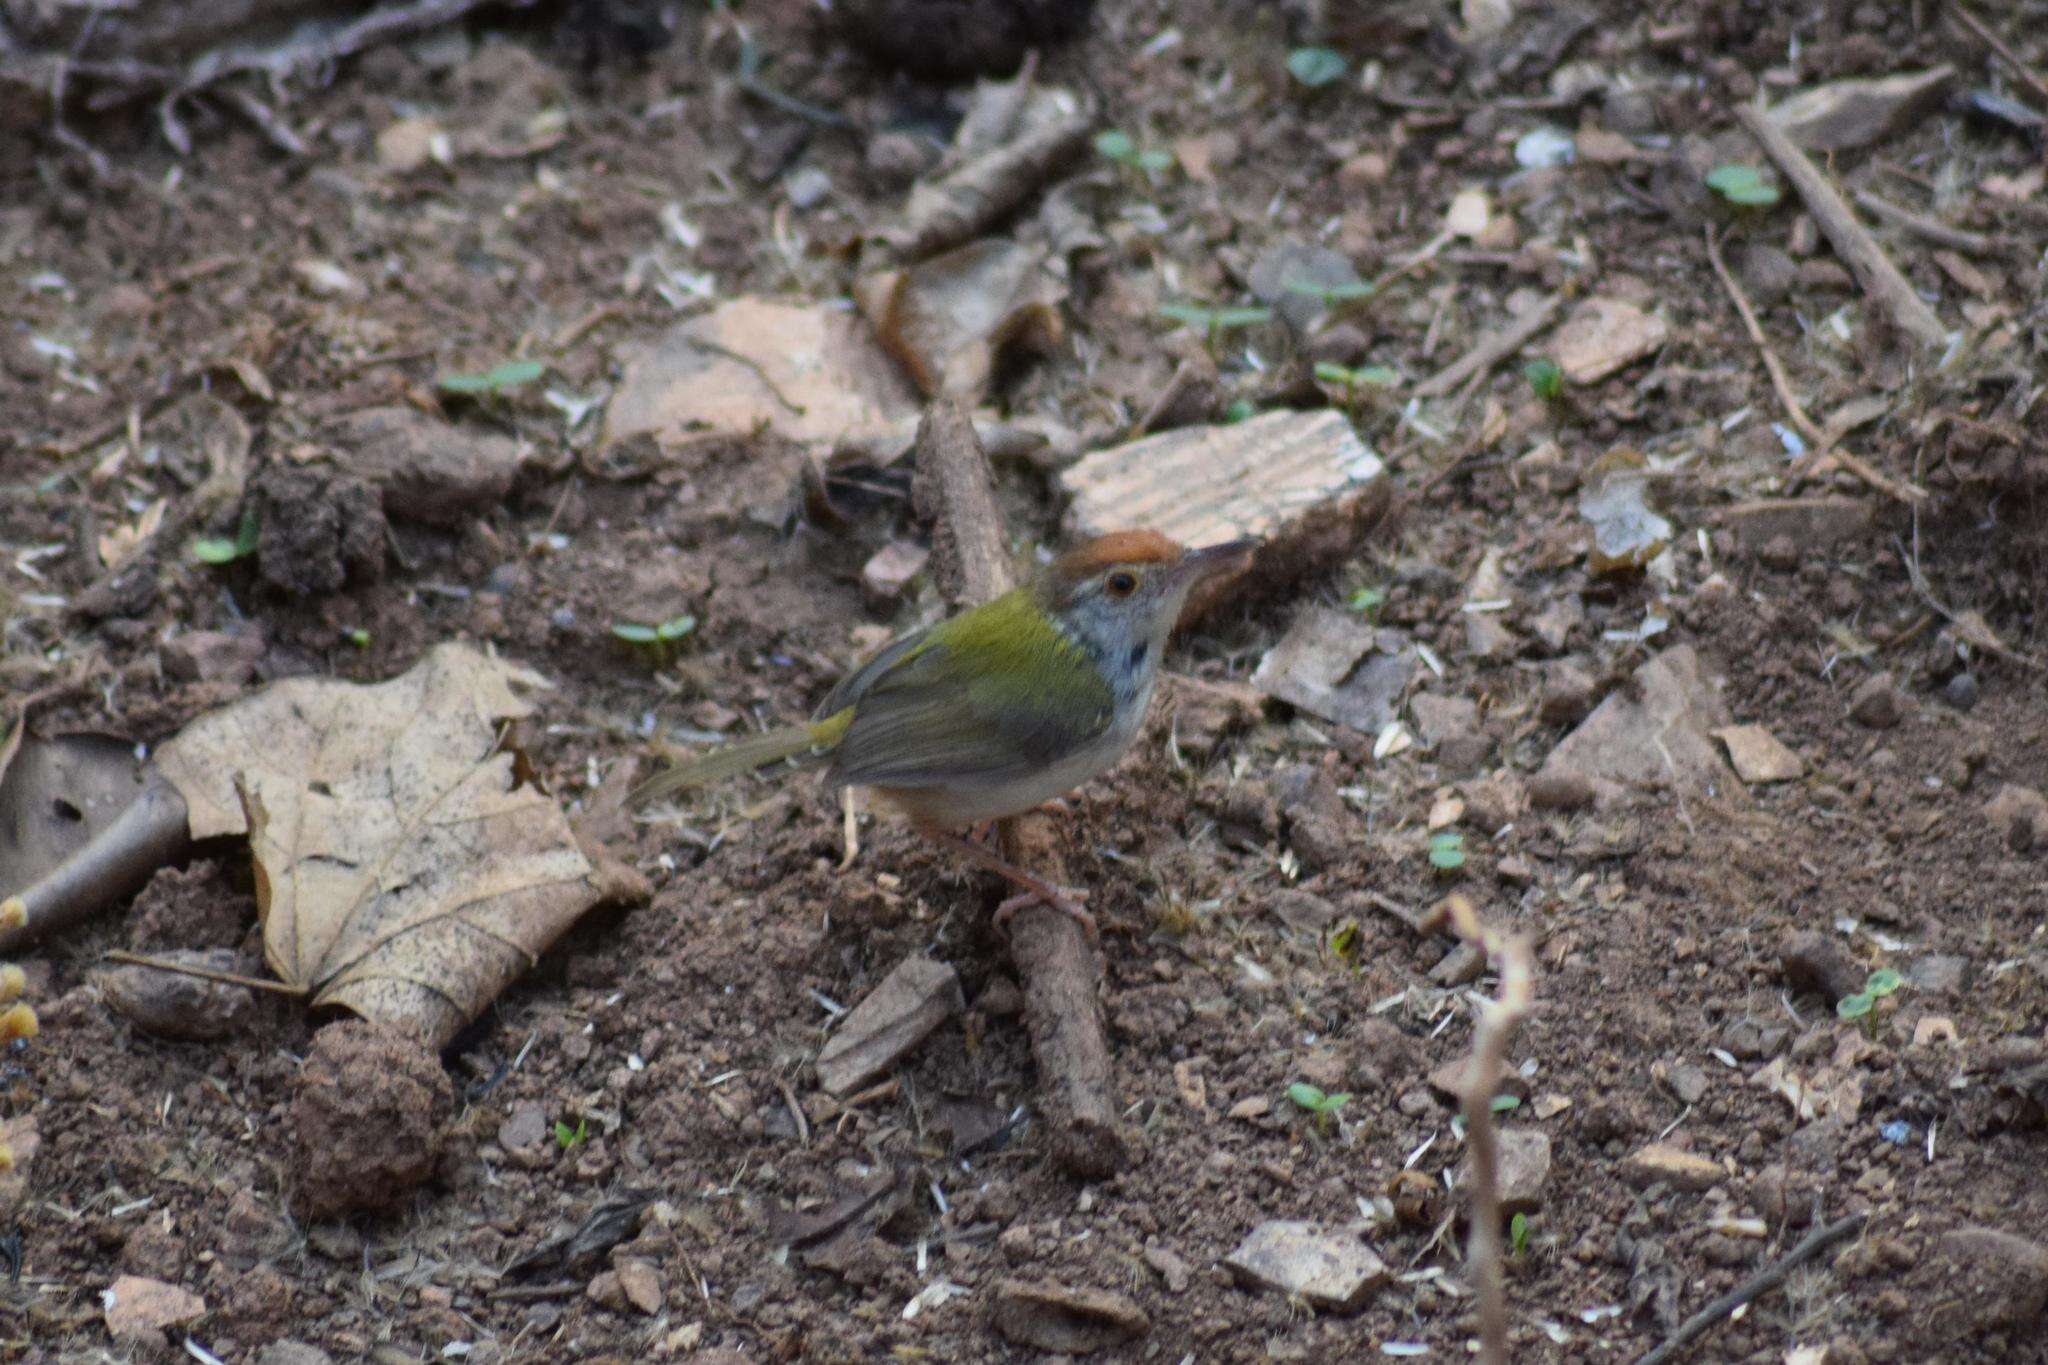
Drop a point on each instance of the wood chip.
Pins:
(913, 999)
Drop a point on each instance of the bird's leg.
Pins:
(1063, 899)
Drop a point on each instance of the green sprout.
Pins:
(358, 637)
(567, 1137)
(658, 641)
(1447, 851)
(1366, 599)
(1239, 410)
(1312, 1100)
(1214, 322)
(1356, 378)
(495, 382)
(225, 549)
(1505, 1104)
(1335, 298)
(1344, 940)
(1316, 67)
(1863, 1004)
(1117, 145)
(1742, 186)
(1518, 1234)
(1546, 378)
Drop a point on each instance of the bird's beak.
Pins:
(1217, 561)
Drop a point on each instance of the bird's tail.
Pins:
(812, 741)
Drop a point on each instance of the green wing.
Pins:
(1031, 697)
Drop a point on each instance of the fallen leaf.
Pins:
(403, 871)
(1604, 334)
(949, 319)
(56, 796)
(810, 374)
(1627, 531)
(117, 545)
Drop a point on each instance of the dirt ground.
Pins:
(674, 1042)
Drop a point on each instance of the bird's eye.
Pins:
(1122, 583)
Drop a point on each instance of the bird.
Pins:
(999, 708)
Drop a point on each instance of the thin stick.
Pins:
(1756, 1286)
(254, 983)
(1491, 349)
(1933, 229)
(1823, 444)
(1498, 1018)
(1998, 45)
(1852, 241)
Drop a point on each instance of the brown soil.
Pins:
(678, 1036)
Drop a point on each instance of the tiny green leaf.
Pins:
(1366, 598)
(1193, 314)
(1153, 160)
(215, 550)
(1308, 1097)
(1853, 1006)
(675, 628)
(1506, 1104)
(1315, 67)
(1115, 144)
(496, 380)
(1545, 376)
(1447, 851)
(1883, 981)
(565, 1136)
(1344, 940)
(1330, 372)
(1518, 1233)
(635, 633)
(1740, 184)
(359, 637)
(1240, 317)
(1377, 376)
(1239, 410)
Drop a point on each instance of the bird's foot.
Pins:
(1065, 899)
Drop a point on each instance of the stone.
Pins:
(1170, 1267)
(1052, 1317)
(1661, 1163)
(1556, 622)
(1331, 1270)
(913, 999)
(1876, 704)
(1439, 718)
(366, 1118)
(1844, 115)
(1813, 961)
(1524, 1167)
(526, 1126)
(1561, 792)
(175, 1005)
(2019, 815)
(1686, 1082)
(1488, 637)
(890, 571)
(1766, 272)
(1568, 695)
(290, 1352)
(1655, 735)
(1758, 756)
(213, 656)
(1603, 335)
(425, 469)
(1340, 667)
(640, 1284)
(896, 159)
(1998, 1279)
(1461, 966)
(1303, 910)
(1961, 691)
(140, 1310)
(1937, 973)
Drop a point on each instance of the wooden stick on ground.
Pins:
(1756, 1286)
(1823, 444)
(1490, 349)
(1983, 33)
(1498, 1018)
(1062, 974)
(1852, 241)
(1933, 229)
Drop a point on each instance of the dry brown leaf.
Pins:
(402, 871)
(117, 545)
(948, 319)
(56, 795)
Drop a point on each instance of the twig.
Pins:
(1998, 45)
(150, 832)
(1062, 975)
(1490, 349)
(254, 983)
(1756, 1286)
(1510, 956)
(1823, 444)
(1934, 230)
(1852, 241)
(796, 1111)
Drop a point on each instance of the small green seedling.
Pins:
(1742, 186)
(1447, 851)
(1316, 67)
(1366, 599)
(1863, 1004)
(660, 641)
(1334, 298)
(1312, 1100)
(1116, 145)
(225, 549)
(1356, 379)
(358, 637)
(1239, 410)
(1546, 378)
(495, 382)
(1518, 1234)
(1505, 1104)
(1214, 322)
(567, 1137)
(1344, 940)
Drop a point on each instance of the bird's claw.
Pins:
(1065, 899)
